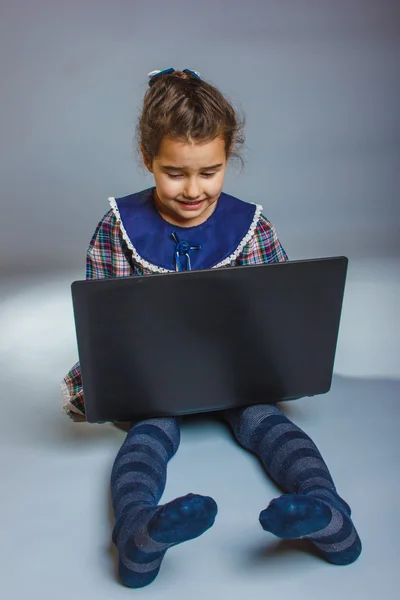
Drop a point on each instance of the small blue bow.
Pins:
(155, 74)
(182, 249)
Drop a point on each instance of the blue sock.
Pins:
(312, 508)
(144, 531)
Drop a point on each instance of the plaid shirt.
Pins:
(108, 255)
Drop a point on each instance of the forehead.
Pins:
(191, 154)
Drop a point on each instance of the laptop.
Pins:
(208, 340)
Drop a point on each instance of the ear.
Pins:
(146, 159)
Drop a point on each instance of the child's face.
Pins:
(189, 178)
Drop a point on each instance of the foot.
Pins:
(142, 550)
(183, 519)
(326, 523)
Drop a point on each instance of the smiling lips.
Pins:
(192, 205)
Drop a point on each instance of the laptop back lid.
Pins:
(179, 343)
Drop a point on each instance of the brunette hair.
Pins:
(183, 107)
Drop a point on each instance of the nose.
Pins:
(191, 191)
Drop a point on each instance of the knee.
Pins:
(245, 421)
(252, 416)
(172, 428)
(167, 428)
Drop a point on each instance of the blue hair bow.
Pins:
(154, 74)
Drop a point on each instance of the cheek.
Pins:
(215, 185)
(168, 187)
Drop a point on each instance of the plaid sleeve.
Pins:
(71, 387)
(106, 257)
(264, 246)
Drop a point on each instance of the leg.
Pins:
(144, 531)
(311, 508)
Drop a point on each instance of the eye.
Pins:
(208, 175)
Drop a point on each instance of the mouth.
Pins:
(191, 205)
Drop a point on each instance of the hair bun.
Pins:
(185, 74)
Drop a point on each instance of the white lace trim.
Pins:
(67, 399)
(141, 261)
(245, 240)
(65, 393)
(155, 269)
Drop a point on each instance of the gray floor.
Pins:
(55, 513)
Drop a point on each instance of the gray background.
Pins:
(319, 83)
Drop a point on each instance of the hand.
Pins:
(76, 417)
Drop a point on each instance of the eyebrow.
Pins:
(172, 168)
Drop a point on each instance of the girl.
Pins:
(187, 132)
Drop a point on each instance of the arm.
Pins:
(105, 258)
